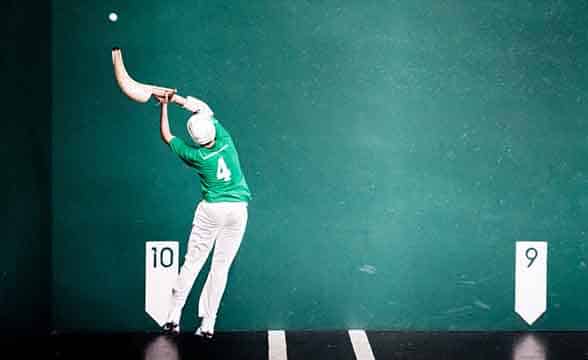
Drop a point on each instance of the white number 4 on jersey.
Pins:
(222, 171)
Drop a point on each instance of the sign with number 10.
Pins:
(161, 271)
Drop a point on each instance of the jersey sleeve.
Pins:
(184, 151)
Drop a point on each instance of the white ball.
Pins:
(112, 17)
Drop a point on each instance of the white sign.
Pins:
(531, 280)
(161, 272)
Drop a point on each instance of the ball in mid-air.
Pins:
(112, 16)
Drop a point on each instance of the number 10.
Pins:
(165, 261)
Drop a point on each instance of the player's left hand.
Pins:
(164, 99)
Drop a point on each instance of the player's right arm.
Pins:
(164, 129)
(177, 145)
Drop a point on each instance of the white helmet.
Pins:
(201, 128)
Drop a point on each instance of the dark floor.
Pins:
(303, 345)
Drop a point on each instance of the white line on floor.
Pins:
(361, 345)
(276, 340)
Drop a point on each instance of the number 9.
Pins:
(531, 254)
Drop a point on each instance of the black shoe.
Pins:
(204, 334)
(171, 328)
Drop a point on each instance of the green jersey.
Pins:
(221, 178)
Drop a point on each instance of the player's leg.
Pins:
(204, 231)
(225, 250)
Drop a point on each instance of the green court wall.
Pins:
(25, 256)
(396, 151)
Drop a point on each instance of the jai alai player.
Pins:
(220, 218)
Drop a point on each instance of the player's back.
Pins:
(221, 176)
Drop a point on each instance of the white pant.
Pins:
(223, 223)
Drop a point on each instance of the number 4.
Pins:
(222, 171)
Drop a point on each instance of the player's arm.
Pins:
(187, 153)
(192, 104)
(195, 105)
(180, 100)
(164, 129)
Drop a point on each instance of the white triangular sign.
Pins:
(531, 280)
(161, 272)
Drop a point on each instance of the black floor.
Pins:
(302, 345)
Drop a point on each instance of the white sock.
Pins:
(174, 316)
(207, 325)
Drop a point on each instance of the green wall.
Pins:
(396, 151)
(25, 288)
